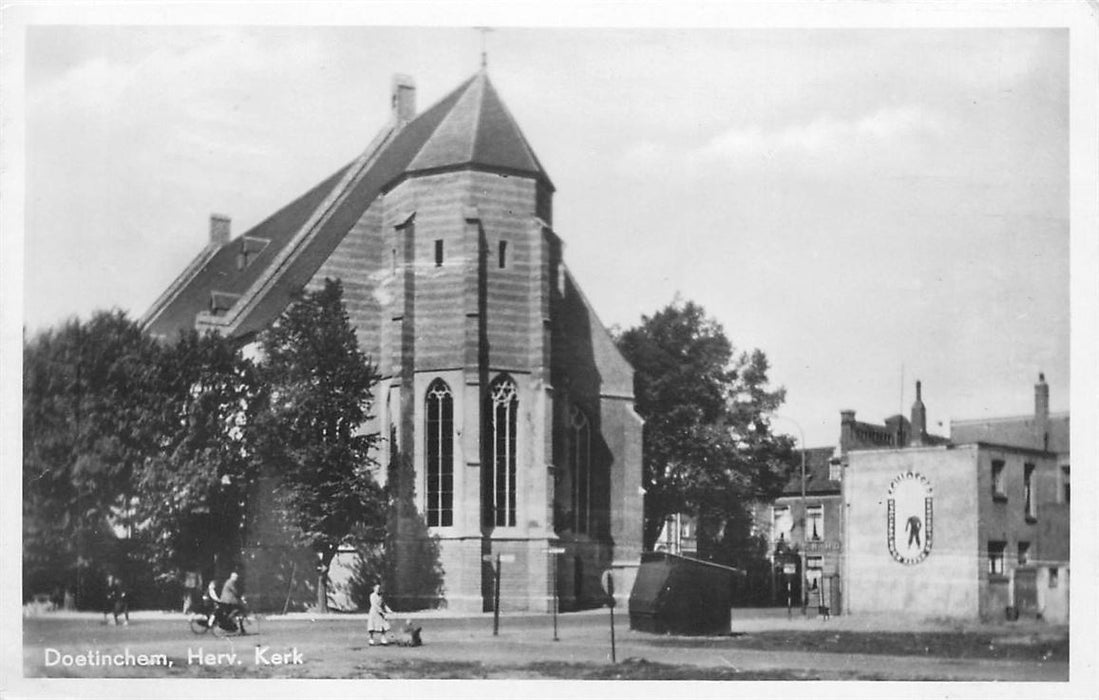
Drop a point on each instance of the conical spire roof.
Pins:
(477, 130)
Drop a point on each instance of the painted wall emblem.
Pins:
(909, 526)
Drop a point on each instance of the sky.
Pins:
(869, 207)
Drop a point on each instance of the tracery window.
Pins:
(440, 455)
(580, 467)
(502, 412)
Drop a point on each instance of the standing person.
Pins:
(108, 599)
(376, 621)
(210, 599)
(117, 602)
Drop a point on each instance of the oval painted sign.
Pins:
(909, 518)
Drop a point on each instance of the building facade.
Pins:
(985, 523)
(812, 529)
(499, 384)
(941, 531)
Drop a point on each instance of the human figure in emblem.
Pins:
(912, 527)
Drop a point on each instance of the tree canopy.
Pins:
(140, 455)
(708, 448)
(194, 488)
(134, 454)
(89, 422)
(320, 385)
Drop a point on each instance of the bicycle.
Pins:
(224, 625)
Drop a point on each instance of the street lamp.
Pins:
(804, 515)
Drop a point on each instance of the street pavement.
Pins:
(335, 646)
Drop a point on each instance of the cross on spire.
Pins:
(484, 44)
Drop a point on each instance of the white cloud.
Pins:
(825, 141)
(825, 136)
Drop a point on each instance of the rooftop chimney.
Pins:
(847, 424)
(404, 98)
(1041, 398)
(919, 417)
(219, 229)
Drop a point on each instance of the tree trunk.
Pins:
(322, 579)
(322, 590)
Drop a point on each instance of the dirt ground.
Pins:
(764, 645)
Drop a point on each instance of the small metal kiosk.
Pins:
(679, 595)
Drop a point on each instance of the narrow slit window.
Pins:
(503, 254)
(439, 253)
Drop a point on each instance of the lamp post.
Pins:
(804, 515)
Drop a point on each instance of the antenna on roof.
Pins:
(484, 48)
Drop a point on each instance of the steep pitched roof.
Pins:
(469, 128)
(817, 470)
(479, 130)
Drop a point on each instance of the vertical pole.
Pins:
(554, 597)
(804, 531)
(789, 609)
(610, 592)
(496, 600)
(614, 660)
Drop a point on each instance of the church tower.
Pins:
(508, 411)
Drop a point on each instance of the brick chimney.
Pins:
(1041, 398)
(919, 417)
(1041, 410)
(219, 229)
(847, 423)
(404, 98)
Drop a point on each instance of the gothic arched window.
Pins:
(440, 455)
(502, 414)
(580, 467)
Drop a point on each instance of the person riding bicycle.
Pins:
(231, 601)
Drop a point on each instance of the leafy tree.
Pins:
(311, 431)
(89, 423)
(403, 555)
(708, 449)
(194, 489)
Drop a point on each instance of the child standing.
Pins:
(376, 622)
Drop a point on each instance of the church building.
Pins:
(499, 382)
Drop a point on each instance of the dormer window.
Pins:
(220, 302)
(250, 248)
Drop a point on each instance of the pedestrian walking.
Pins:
(376, 618)
(117, 601)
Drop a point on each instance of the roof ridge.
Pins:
(255, 292)
(522, 137)
(481, 78)
(1007, 419)
(197, 264)
(458, 93)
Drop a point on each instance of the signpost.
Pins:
(553, 552)
(608, 586)
(789, 570)
(509, 558)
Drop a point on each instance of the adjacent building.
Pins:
(809, 527)
(898, 520)
(499, 382)
(975, 527)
